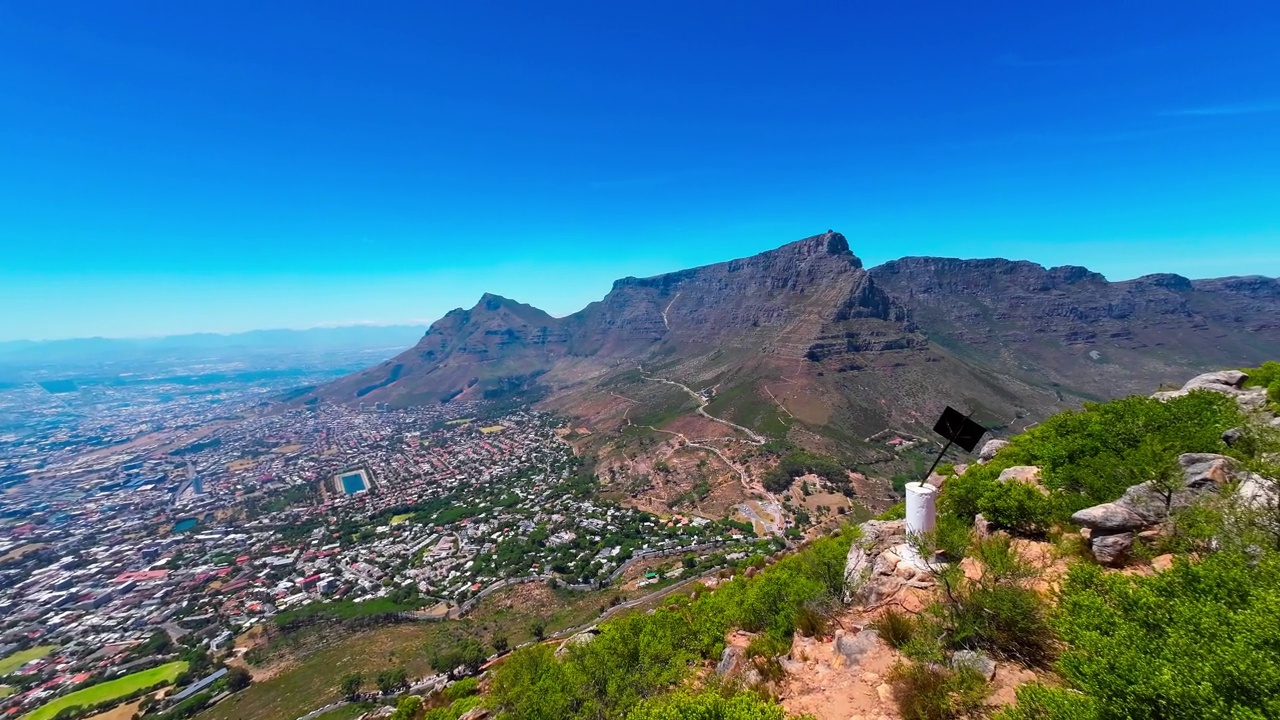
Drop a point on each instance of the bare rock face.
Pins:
(1109, 518)
(1112, 550)
(989, 450)
(1026, 474)
(853, 646)
(1227, 382)
(731, 660)
(475, 713)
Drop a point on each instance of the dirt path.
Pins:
(665, 309)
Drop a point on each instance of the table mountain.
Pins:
(804, 341)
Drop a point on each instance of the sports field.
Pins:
(22, 657)
(401, 518)
(492, 429)
(109, 690)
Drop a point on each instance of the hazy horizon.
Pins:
(228, 167)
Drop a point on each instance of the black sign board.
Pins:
(959, 429)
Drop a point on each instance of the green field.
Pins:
(110, 690)
(5, 691)
(463, 421)
(22, 657)
(401, 518)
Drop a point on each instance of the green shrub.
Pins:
(928, 691)
(639, 656)
(1007, 621)
(1088, 457)
(1200, 640)
(1040, 702)
(463, 688)
(895, 627)
(709, 706)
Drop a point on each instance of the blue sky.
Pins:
(174, 167)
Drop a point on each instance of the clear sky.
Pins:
(172, 167)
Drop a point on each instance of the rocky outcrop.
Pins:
(989, 450)
(1226, 382)
(1143, 508)
(855, 645)
(731, 660)
(1025, 474)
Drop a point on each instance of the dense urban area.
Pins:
(147, 526)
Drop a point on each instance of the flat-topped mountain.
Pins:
(804, 341)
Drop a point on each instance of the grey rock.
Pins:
(1109, 518)
(1026, 474)
(1201, 470)
(879, 589)
(1112, 550)
(989, 450)
(1252, 400)
(853, 647)
(475, 713)
(1232, 436)
(981, 526)
(730, 660)
(978, 661)
(1222, 380)
(1257, 492)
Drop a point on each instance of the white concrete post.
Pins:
(922, 508)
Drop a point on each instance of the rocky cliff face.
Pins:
(1071, 327)
(808, 299)
(804, 336)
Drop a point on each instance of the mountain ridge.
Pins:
(805, 342)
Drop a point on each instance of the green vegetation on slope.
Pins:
(1088, 457)
(639, 657)
(110, 690)
(1200, 640)
(1267, 376)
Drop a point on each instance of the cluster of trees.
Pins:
(802, 462)
(636, 658)
(1089, 457)
(350, 614)
(387, 682)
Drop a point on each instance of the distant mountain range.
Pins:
(86, 350)
(803, 341)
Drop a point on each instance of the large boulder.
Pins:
(730, 660)
(1227, 382)
(1112, 550)
(1026, 474)
(475, 713)
(1109, 518)
(853, 646)
(1252, 400)
(1220, 381)
(1257, 492)
(1201, 470)
(1202, 474)
(989, 450)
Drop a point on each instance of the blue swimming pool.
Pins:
(353, 483)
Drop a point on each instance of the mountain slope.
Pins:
(803, 341)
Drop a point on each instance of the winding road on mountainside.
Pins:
(769, 514)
